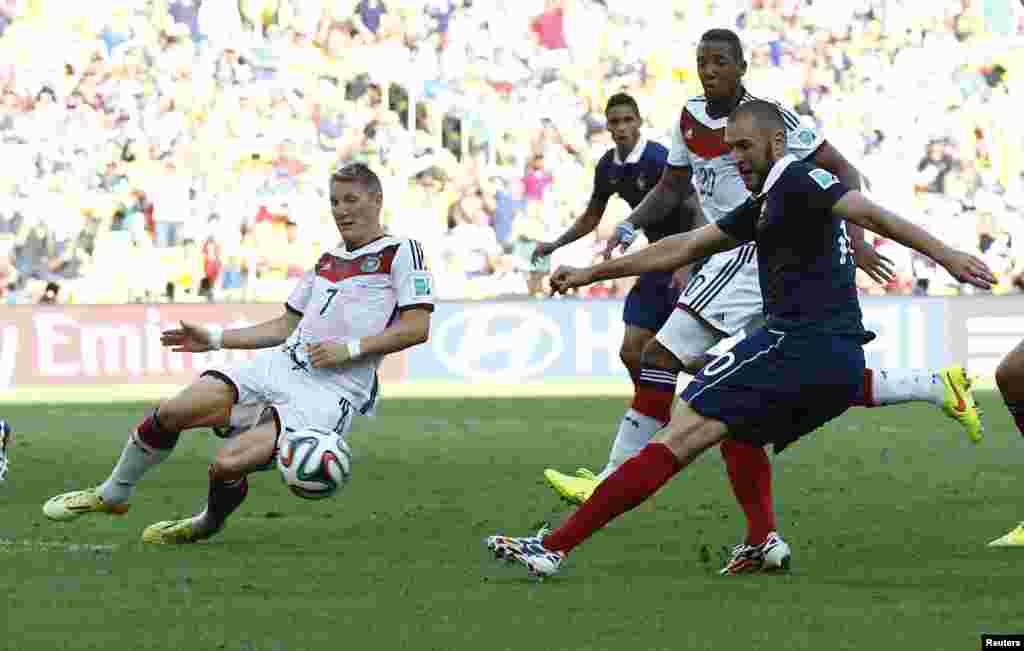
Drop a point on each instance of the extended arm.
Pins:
(858, 209)
(666, 254)
(193, 338)
(583, 225)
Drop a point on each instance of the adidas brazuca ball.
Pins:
(314, 463)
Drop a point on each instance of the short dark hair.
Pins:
(725, 36)
(622, 99)
(361, 174)
(766, 114)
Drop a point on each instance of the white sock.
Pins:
(136, 459)
(635, 431)
(895, 386)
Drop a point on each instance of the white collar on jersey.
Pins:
(634, 156)
(776, 171)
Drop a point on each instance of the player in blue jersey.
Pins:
(803, 368)
(629, 169)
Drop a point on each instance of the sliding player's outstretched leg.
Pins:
(204, 403)
(247, 453)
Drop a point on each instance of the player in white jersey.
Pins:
(723, 299)
(371, 296)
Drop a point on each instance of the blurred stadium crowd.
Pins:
(155, 150)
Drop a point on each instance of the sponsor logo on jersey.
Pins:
(805, 137)
(370, 264)
(823, 178)
(641, 183)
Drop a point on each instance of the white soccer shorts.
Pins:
(271, 379)
(726, 291)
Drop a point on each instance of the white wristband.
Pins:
(354, 349)
(216, 336)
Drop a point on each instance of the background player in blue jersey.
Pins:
(801, 370)
(630, 169)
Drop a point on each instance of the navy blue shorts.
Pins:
(775, 387)
(651, 301)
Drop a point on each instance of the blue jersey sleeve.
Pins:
(603, 189)
(819, 190)
(740, 223)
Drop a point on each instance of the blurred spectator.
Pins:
(151, 124)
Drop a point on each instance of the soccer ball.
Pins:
(314, 463)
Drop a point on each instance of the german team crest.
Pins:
(370, 265)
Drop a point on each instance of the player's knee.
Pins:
(227, 465)
(657, 356)
(688, 434)
(206, 402)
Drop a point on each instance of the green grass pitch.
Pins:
(888, 511)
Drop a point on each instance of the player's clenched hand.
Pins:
(623, 236)
(326, 354)
(878, 267)
(969, 269)
(189, 338)
(565, 278)
(542, 250)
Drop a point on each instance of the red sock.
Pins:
(656, 388)
(867, 397)
(750, 473)
(155, 436)
(632, 483)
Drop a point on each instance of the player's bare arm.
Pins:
(412, 328)
(858, 209)
(195, 338)
(672, 190)
(667, 254)
(582, 226)
(878, 267)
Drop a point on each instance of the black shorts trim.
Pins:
(292, 309)
(417, 306)
(225, 379)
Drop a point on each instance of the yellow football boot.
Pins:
(576, 489)
(1013, 539)
(69, 506)
(959, 403)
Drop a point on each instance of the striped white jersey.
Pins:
(355, 294)
(697, 142)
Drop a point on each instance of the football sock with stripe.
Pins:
(225, 497)
(896, 386)
(147, 446)
(632, 483)
(750, 474)
(650, 411)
